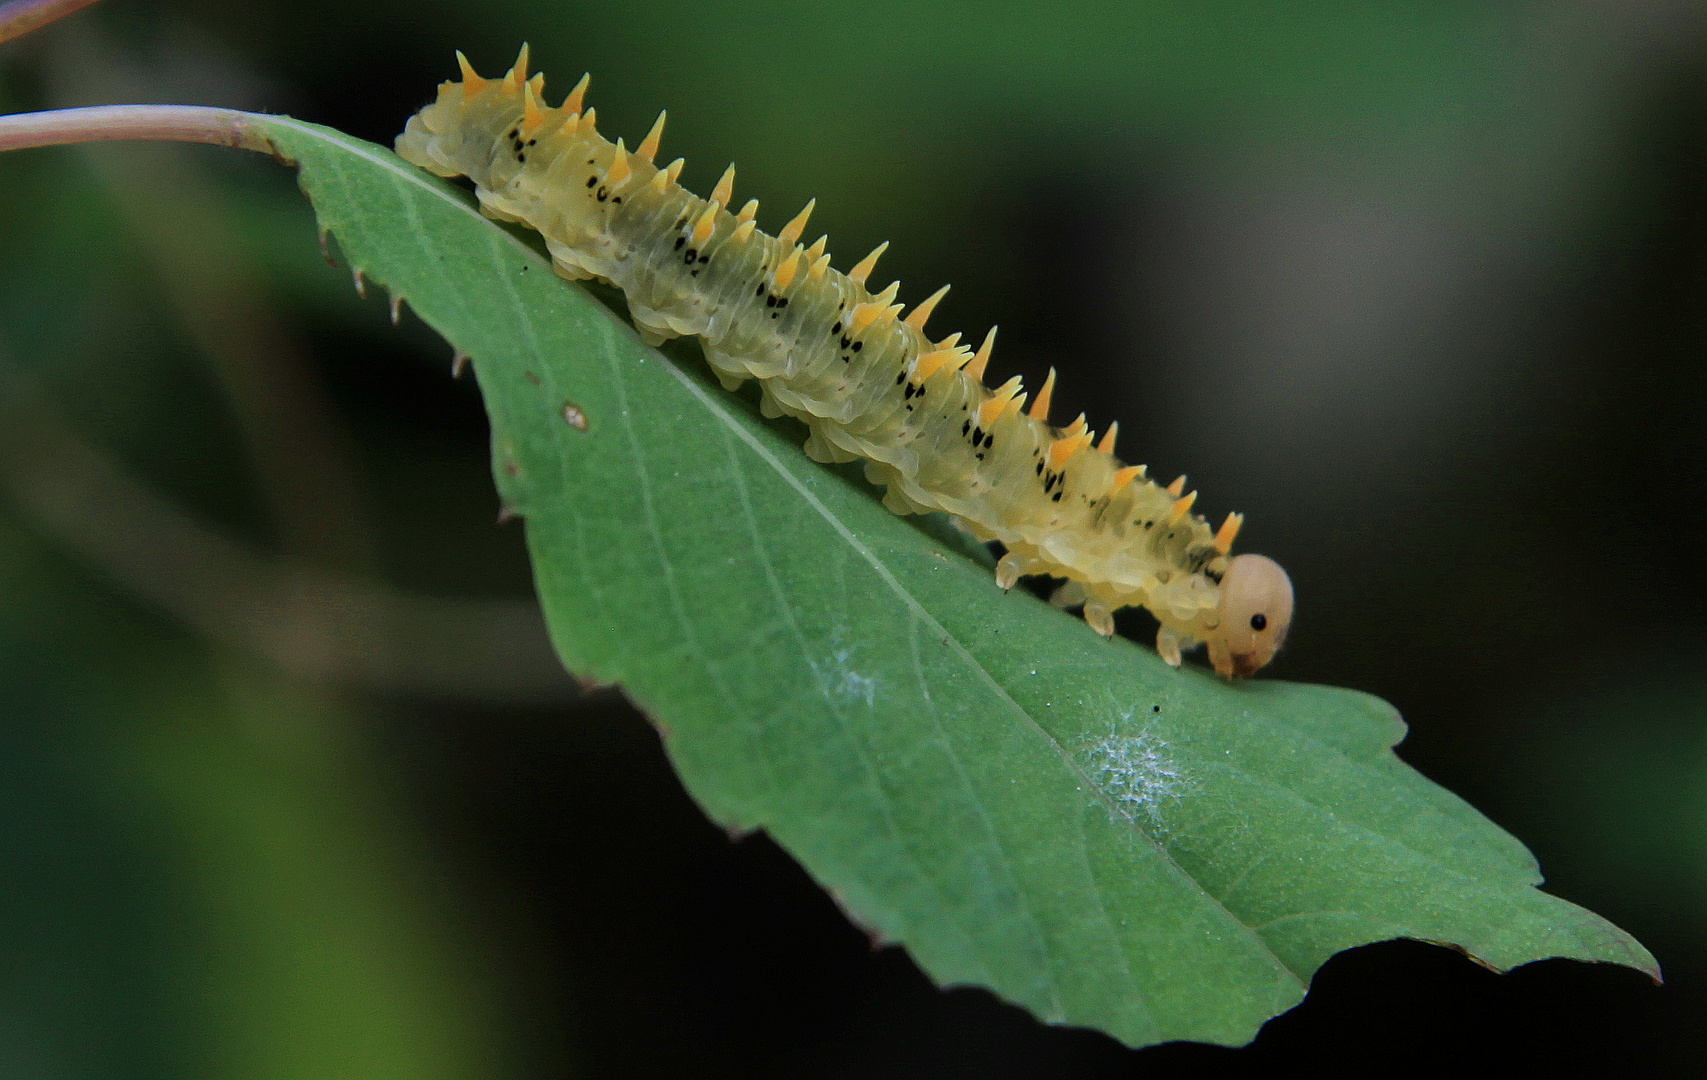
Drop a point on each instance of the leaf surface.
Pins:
(1023, 805)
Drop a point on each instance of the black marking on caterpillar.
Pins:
(866, 380)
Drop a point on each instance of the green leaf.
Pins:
(977, 776)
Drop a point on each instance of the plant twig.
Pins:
(19, 17)
(120, 123)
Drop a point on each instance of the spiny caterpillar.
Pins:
(864, 378)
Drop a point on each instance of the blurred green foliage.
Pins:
(201, 877)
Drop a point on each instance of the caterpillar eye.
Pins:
(1255, 610)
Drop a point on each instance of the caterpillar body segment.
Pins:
(861, 374)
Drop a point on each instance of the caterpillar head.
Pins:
(1255, 611)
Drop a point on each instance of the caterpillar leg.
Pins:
(897, 503)
(1102, 620)
(652, 327)
(571, 272)
(1008, 571)
(1221, 657)
(564, 258)
(1068, 595)
(823, 450)
(1168, 646)
(498, 208)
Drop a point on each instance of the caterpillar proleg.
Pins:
(864, 377)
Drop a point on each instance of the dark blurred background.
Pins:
(290, 786)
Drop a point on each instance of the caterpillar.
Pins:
(864, 378)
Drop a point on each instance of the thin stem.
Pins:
(19, 17)
(118, 123)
